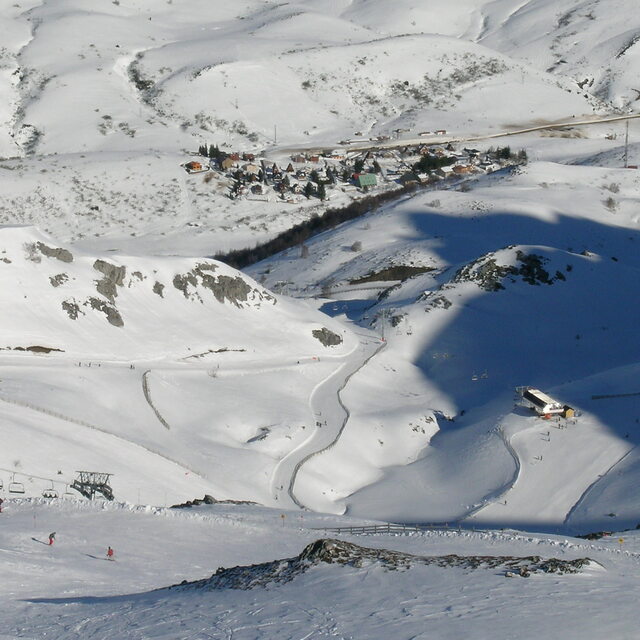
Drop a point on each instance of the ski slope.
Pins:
(71, 591)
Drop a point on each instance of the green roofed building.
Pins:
(366, 180)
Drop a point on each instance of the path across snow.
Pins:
(330, 418)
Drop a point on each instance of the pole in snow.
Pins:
(626, 146)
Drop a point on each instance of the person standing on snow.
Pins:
(52, 537)
(109, 553)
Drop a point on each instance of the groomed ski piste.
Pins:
(70, 590)
(343, 413)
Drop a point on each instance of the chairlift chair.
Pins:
(16, 487)
(50, 493)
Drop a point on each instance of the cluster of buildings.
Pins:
(319, 175)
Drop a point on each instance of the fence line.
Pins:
(82, 423)
(389, 528)
(147, 395)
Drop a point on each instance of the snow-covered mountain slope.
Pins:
(135, 87)
(169, 373)
(526, 281)
(147, 76)
(126, 308)
(592, 41)
(374, 586)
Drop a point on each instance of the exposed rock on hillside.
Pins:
(331, 551)
(64, 255)
(488, 274)
(113, 277)
(112, 314)
(233, 289)
(326, 337)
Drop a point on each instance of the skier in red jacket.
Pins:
(109, 553)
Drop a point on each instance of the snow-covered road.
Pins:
(330, 417)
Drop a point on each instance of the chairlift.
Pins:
(50, 493)
(15, 487)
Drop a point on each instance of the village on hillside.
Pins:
(322, 176)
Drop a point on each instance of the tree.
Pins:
(314, 176)
(358, 166)
(431, 163)
(322, 191)
(309, 190)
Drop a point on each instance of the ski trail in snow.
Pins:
(587, 491)
(494, 496)
(147, 396)
(325, 436)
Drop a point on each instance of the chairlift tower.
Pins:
(88, 483)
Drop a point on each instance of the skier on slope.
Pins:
(109, 553)
(52, 537)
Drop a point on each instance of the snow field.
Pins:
(80, 594)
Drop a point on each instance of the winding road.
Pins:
(330, 416)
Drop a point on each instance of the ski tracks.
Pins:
(330, 420)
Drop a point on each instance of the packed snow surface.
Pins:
(441, 583)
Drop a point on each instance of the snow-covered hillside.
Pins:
(441, 583)
(168, 373)
(526, 281)
(477, 161)
(101, 127)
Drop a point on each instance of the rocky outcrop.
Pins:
(58, 279)
(488, 274)
(72, 308)
(208, 499)
(340, 552)
(112, 314)
(233, 289)
(326, 337)
(158, 289)
(113, 277)
(58, 253)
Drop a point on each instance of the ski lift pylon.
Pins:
(89, 483)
